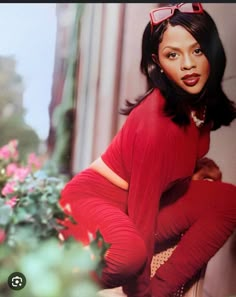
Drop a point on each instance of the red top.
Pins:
(150, 152)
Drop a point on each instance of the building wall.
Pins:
(110, 50)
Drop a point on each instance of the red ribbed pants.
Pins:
(207, 211)
(96, 204)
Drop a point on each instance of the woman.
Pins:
(165, 132)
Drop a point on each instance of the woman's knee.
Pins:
(137, 256)
(127, 258)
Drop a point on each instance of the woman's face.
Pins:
(182, 60)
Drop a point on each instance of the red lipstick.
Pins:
(191, 80)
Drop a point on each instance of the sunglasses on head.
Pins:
(158, 15)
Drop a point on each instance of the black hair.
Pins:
(207, 168)
(220, 109)
(205, 162)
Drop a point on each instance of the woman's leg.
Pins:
(208, 212)
(127, 253)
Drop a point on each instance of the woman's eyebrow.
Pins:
(176, 48)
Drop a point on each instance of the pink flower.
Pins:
(21, 173)
(5, 153)
(13, 143)
(9, 188)
(12, 202)
(34, 161)
(2, 235)
(9, 151)
(11, 169)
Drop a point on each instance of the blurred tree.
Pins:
(12, 124)
(11, 84)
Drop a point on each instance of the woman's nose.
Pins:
(188, 62)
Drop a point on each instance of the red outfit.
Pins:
(150, 152)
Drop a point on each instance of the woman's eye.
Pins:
(198, 51)
(172, 55)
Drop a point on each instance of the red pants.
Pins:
(207, 211)
(97, 204)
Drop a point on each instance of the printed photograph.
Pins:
(117, 149)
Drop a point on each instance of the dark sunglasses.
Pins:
(158, 15)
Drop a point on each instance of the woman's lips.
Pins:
(191, 80)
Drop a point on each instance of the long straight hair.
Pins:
(220, 109)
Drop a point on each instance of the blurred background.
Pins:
(27, 50)
(65, 71)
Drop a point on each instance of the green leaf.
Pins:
(21, 215)
(5, 214)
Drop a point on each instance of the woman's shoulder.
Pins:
(147, 120)
(150, 108)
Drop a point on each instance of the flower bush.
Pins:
(31, 239)
(28, 196)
